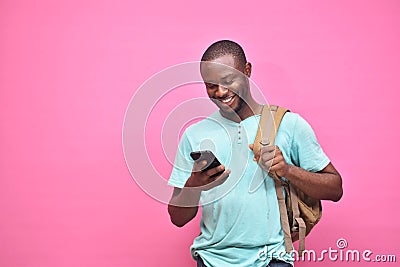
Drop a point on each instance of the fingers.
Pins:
(270, 156)
(266, 153)
(199, 166)
(278, 166)
(268, 149)
(216, 181)
(222, 178)
(206, 179)
(215, 170)
(266, 156)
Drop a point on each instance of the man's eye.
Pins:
(211, 85)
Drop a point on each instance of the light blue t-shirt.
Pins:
(240, 224)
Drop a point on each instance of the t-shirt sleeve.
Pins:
(306, 152)
(183, 163)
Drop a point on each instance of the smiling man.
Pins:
(240, 217)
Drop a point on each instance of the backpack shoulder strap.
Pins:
(270, 120)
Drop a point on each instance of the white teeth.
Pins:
(227, 100)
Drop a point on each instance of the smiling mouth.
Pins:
(227, 99)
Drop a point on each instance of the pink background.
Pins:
(69, 68)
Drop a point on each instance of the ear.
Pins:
(247, 69)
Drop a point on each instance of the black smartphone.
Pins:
(208, 156)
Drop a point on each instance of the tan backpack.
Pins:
(299, 213)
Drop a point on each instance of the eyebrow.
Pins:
(222, 78)
(226, 76)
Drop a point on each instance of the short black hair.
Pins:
(225, 47)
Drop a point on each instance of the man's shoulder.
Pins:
(289, 120)
(294, 124)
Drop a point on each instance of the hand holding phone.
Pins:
(209, 157)
(206, 175)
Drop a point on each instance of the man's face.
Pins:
(226, 84)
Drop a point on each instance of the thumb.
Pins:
(199, 165)
(256, 154)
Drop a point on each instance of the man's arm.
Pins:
(184, 202)
(325, 184)
(183, 205)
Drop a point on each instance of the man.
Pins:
(240, 214)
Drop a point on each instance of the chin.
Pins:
(230, 111)
(233, 109)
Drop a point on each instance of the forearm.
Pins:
(320, 185)
(183, 206)
(184, 202)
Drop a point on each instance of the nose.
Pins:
(221, 91)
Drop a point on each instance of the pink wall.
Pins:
(68, 70)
